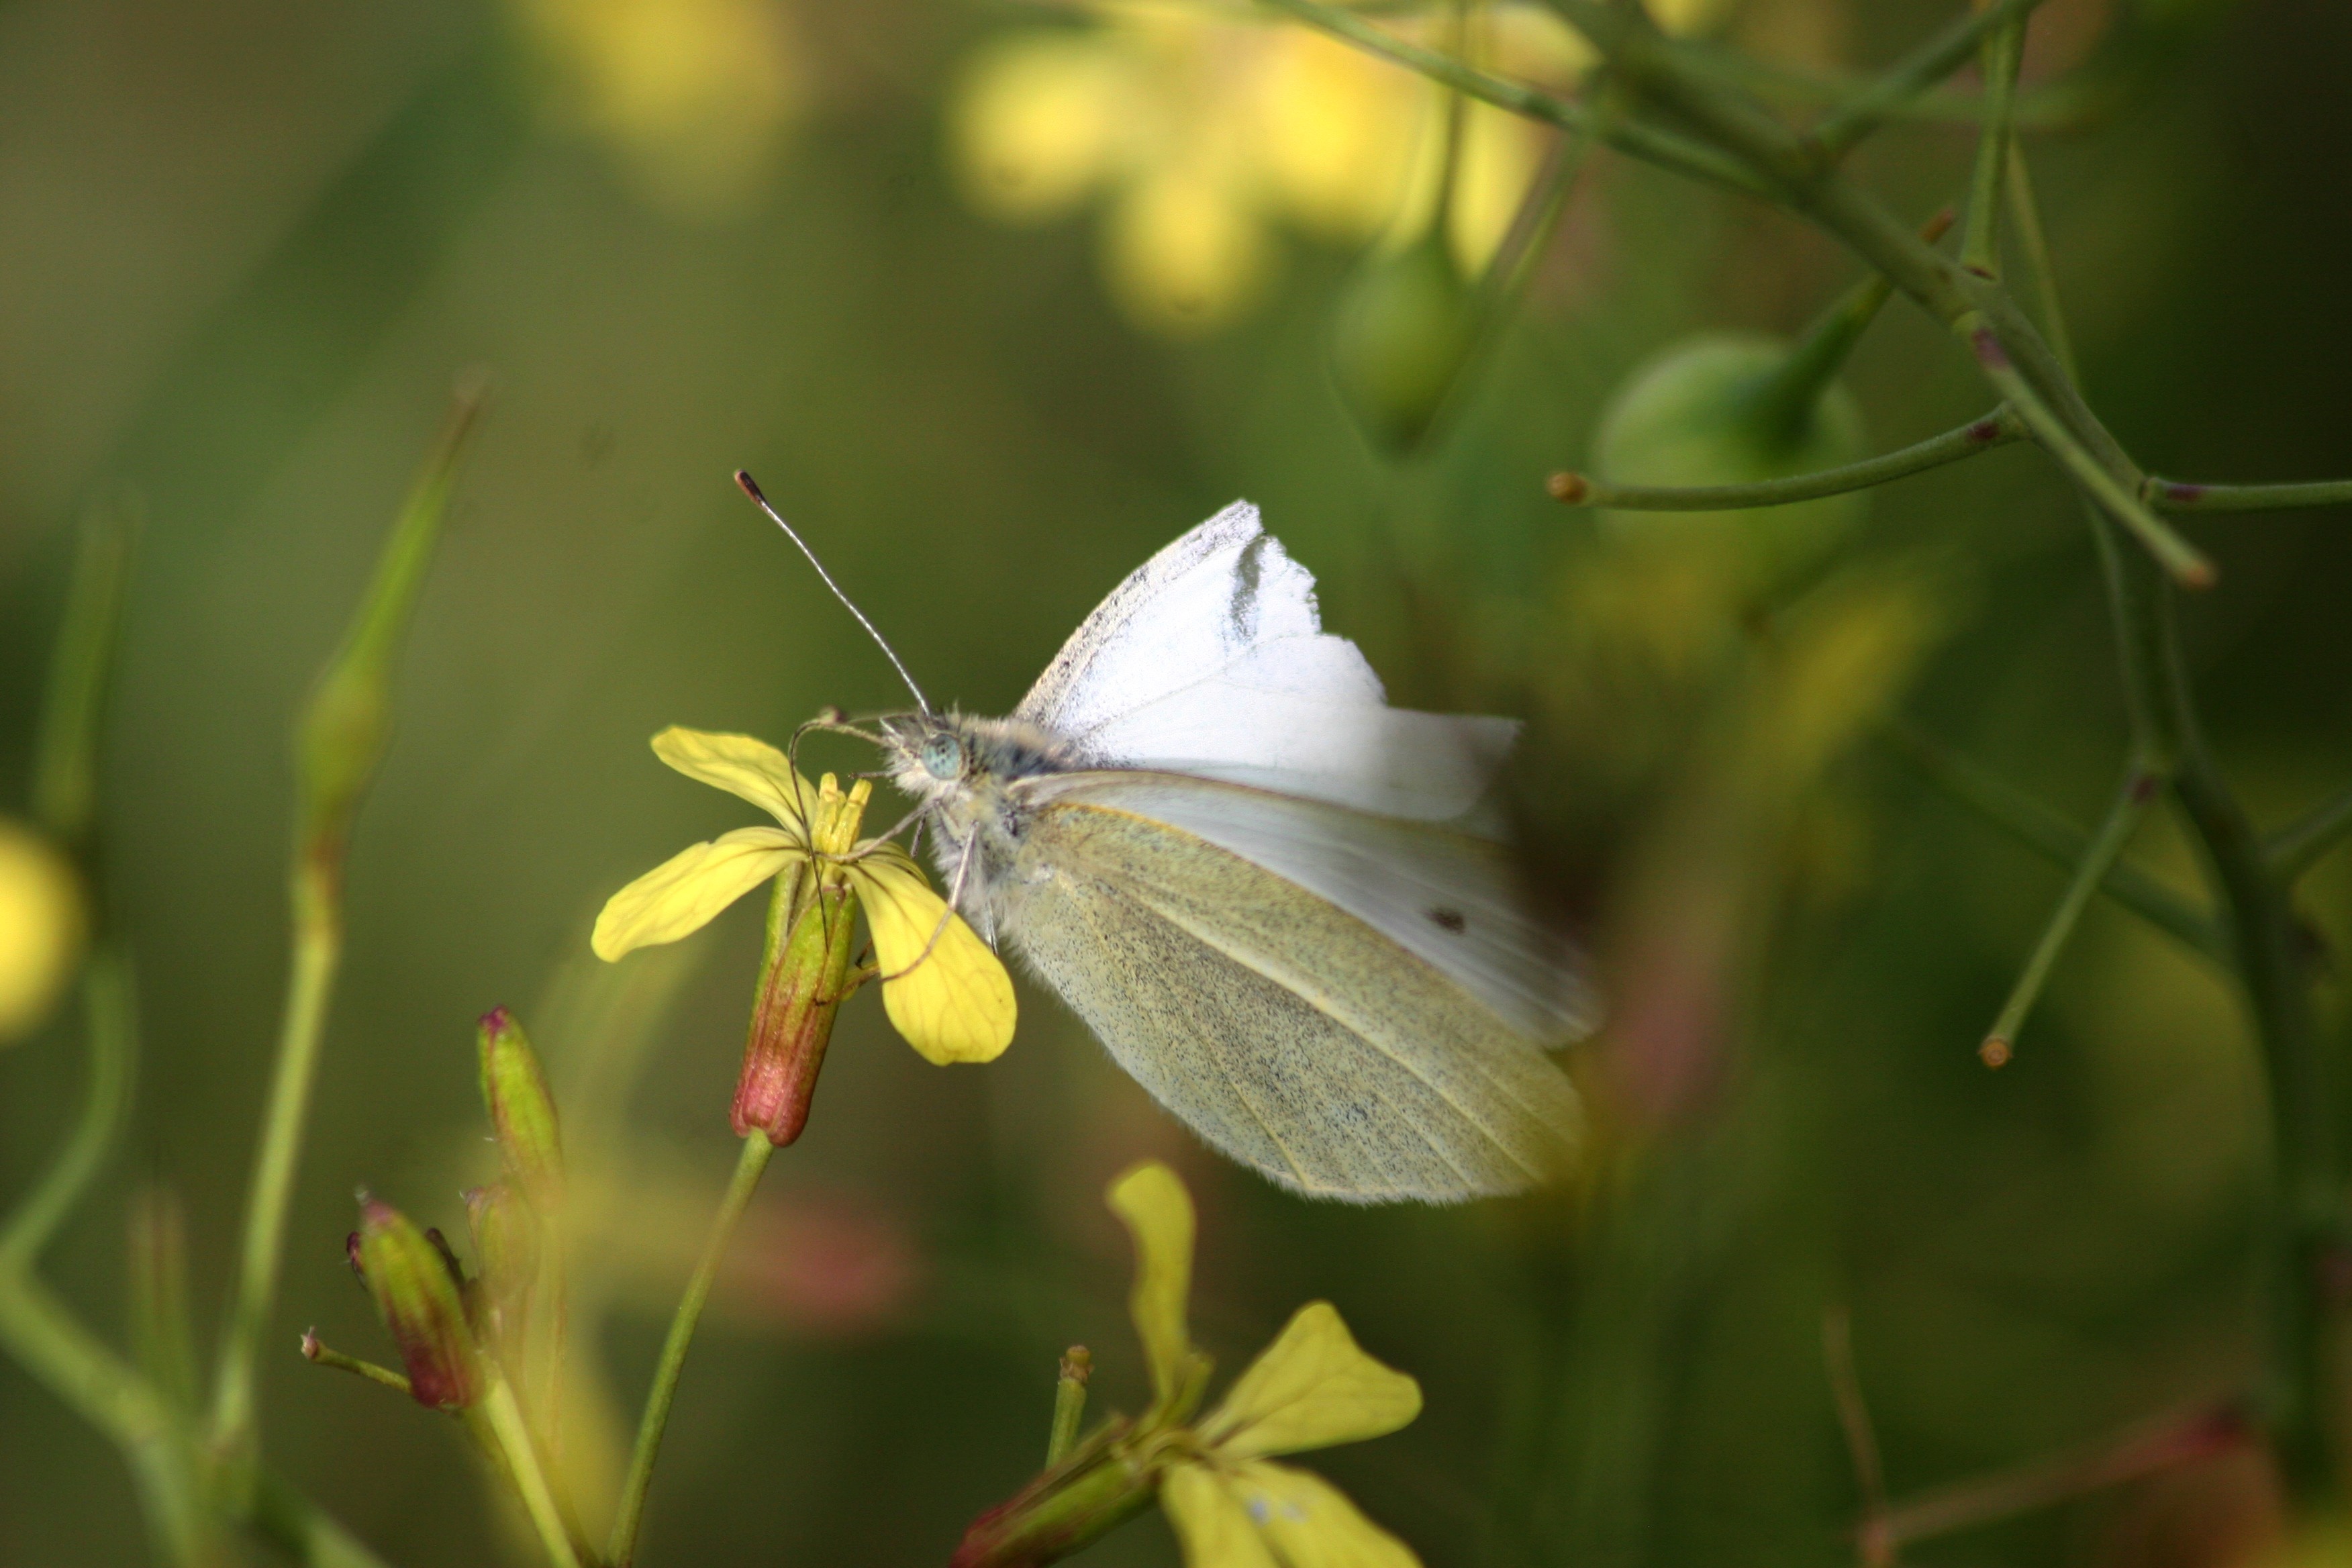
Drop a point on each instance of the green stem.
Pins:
(2003, 50)
(301, 1530)
(2118, 496)
(111, 1022)
(1903, 83)
(2139, 788)
(2183, 1439)
(504, 1417)
(2299, 846)
(48, 1341)
(1782, 405)
(2033, 245)
(2178, 495)
(2056, 839)
(317, 952)
(64, 750)
(1664, 148)
(1998, 429)
(2305, 1226)
(318, 1353)
(340, 740)
(623, 1547)
(2303, 1229)
(2047, 106)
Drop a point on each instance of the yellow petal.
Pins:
(1312, 1387)
(42, 929)
(678, 897)
(1210, 1522)
(950, 998)
(1308, 1522)
(1157, 1212)
(741, 766)
(1039, 119)
(1184, 251)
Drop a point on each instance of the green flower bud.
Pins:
(507, 1249)
(1714, 410)
(417, 1292)
(1407, 324)
(522, 1113)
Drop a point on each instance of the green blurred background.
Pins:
(244, 248)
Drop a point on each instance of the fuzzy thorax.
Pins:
(962, 770)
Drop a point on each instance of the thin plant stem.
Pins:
(1878, 1548)
(2302, 1229)
(45, 1338)
(300, 1528)
(2177, 1440)
(2054, 838)
(66, 747)
(2300, 845)
(318, 1353)
(112, 1023)
(2047, 106)
(318, 952)
(1999, 429)
(622, 1549)
(2033, 245)
(1903, 84)
(340, 742)
(2131, 803)
(1664, 148)
(2183, 560)
(2003, 49)
(511, 1433)
(2181, 495)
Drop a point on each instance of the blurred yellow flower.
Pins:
(42, 928)
(1207, 132)
(1313, 1387)
(694, 96)
(942, 987)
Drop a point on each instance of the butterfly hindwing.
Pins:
(1451, 899)
(1293, 1036)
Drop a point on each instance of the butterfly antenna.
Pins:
(751, 489)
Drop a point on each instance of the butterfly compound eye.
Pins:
(942, 757)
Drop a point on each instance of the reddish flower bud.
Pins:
(806, 975)
(411, 1279)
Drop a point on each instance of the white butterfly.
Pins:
(1254, 880)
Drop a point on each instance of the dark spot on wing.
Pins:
(1247, 573)
(1449, 919)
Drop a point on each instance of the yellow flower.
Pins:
(1206, 132)
(1230, 1504)
(695, 95)
(41, 929)
(942, 987)
(1313, 1387)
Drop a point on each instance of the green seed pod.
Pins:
(417, 1293)
(1716, 409)
(1406, 326)
(522, 1113)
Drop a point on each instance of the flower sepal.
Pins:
(1106, 1479)
(805, 976)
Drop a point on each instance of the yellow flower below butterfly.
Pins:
(942, 987)
(1230, 1504)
